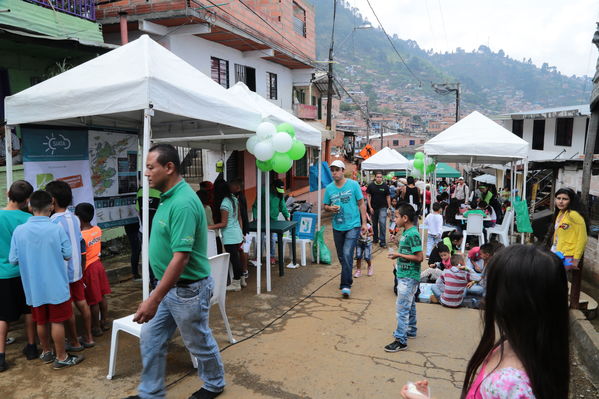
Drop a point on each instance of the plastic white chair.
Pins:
(211, 247)
(218, 266)
(502, 230)
(474, 227)
(304, 243)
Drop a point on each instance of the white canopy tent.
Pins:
(478, 139)
(385, 159)
(486, 178)
(143, 86)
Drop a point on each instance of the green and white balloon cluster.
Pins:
(420, 164)
(275, 147)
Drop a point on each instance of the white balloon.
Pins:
(411, 164)
(263, 151)
(251, 143)
(282, 142)
(266, 130)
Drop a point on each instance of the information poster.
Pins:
(56, 153)
(113, 161)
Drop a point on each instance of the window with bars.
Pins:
(563, 131)
(246, 75)
(219, 71)
(299, 20)
(538, 134)
(271, 85)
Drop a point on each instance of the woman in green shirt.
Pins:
(229, 221)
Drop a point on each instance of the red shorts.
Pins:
(52, 313)
(77, 291)
(96, 283)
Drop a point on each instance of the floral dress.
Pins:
(505, 383)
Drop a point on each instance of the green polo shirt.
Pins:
(180, 226)
(9, 220)
(409, 244)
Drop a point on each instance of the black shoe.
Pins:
(31, 352)
(3, 365)
(396, 346)
(204, 394)
(133, 397)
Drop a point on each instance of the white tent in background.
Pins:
(478, 139)
(385, 159)
(254, 101)
(486, 178)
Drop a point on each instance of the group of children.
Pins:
(50, 261)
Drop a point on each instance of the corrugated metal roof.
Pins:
(570, 110)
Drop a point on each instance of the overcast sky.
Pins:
(558, 32)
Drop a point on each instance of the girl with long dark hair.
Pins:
(569, 231)
(523, 352)
(451, 211)
(228, 219)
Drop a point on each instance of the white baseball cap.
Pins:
(338, 164)
(461, 178)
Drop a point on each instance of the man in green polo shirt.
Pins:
(182, 297)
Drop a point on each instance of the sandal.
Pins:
(85, 344)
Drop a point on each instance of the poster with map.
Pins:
(113, 162)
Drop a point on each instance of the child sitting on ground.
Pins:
(62, 197)
(450, 288)
(452, 242)
(434, 225)
(408, 255)
(40, 248)
(435, 269)
(364, 250)
(94, 275)
(477, 286)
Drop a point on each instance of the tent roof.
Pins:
(112, 89)
(385, 159)
(479, 139)
(254, 101)
(444, 170)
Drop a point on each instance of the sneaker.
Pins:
(370, 271)
(3, 365)
(86, 344)
(395, 346)
(133, 397)
(411, 336)
(346, 292)
(31, 352)
(235, 285)
(242, 282)
(70, 348)
(71, 360)
(246, 274)
(358, 273)
(10, 340)
(47, 357)
(383, 245)
(204, 394)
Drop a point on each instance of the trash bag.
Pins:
(522, 216)
(325, 253)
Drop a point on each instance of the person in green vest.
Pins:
(453, 241)
(277, 206)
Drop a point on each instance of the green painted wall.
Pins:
(46, 21)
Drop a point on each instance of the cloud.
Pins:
(554, 31)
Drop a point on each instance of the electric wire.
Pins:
(393, 45)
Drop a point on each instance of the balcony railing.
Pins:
(80, 8)
(304, 111)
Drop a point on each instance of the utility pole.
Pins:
(367, 122)
(327, 145)
(587, 167)
(446, 88)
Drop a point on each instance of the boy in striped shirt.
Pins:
(450, 288)
(62, 197)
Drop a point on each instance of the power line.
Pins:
(392, 44)
(443, 24)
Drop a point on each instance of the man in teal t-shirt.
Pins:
(12, 295)
(344, 198)
(178, 255)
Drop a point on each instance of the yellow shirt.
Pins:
(571, 234)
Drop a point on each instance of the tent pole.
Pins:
(259, 232)
(318, 192)
(423, 196)
(8, 154)
(224, 154)
(525, 171)
(145, 209)
(512, 195)
(268, 236)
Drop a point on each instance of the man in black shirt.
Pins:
(379, 200)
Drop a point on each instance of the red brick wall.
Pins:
(279, 14)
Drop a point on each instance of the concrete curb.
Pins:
(585, 341)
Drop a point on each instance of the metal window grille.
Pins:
(299, 20)
(219, 71)
(271, 86)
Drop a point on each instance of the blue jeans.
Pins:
(406, 309)
(187, 309)
(437, 291)
(379, 225)
(476, 290)
(345, 244)
(431, 241)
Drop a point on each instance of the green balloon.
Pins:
(264, 166)
(419, 155)
(430, 168)
(281, 162)
(419, 164)
(297, 151)
(287, 128)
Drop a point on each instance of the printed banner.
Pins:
(57, 154)
(113, 160)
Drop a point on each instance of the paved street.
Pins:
(314, 345)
